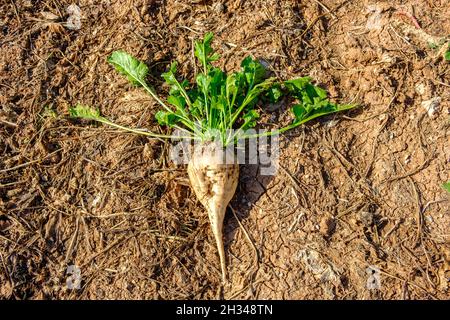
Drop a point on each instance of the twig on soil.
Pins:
(294, 181)
(340, 160)
(439, 82)
(352, 209)
(411, 173)
(425, 207)
(191, 30)
(9, 240)
(246, 234)
(11, 282)
(374, 147)
(112, 245)
(256, 260)
(325, 8)
(296, 184)
(234, 295)
(409, 16)
(8, 123)
(86, 235)
(119, 214)
(419, 264)
(420, 221)
(425, 38)
(394, 227)
(11, 184)
(72, 241)
(30, 162)
(318, 18)
(429, 266)
(408, 282)
(385, 110)
(362, 185)
(295, 222)
(405, 291)
(16, 12)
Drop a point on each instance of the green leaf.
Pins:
(218, 103)
(166, 118)
(252, 98)
(49, 112)
(169, 76)
(447, 55)
(176, 87)
(256, 91)
(178, 101)
(217, 82)
(203, 82)
(303, 90)
(318, 92)
(250, 119)
(299, 112)
(306, 113)
(254, 72)
(198, 108)
(85, 112)
(296, 86)
(446, 186)
(135, 70)
(204, 52)
(313, 100)
(198, 104)
(274, 93)
(178, 95)
(233, 85)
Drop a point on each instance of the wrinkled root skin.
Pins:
(214, 184)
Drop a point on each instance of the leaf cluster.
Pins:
(217, 102)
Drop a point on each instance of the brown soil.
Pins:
(355, 191)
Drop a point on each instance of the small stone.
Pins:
(366, 218)
(432, 106)
(150, 148)
(420, 88)
(407, 159)
(327, 226)
(96, 200)
(74, 19)
(386, 58)
(331, 123)
(218, 7)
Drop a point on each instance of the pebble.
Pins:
(366, 218)
(327, 226)
(420, 88)
(218, 7)
(432, 106)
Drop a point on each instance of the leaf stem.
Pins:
(145, 133)
(295, 124)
